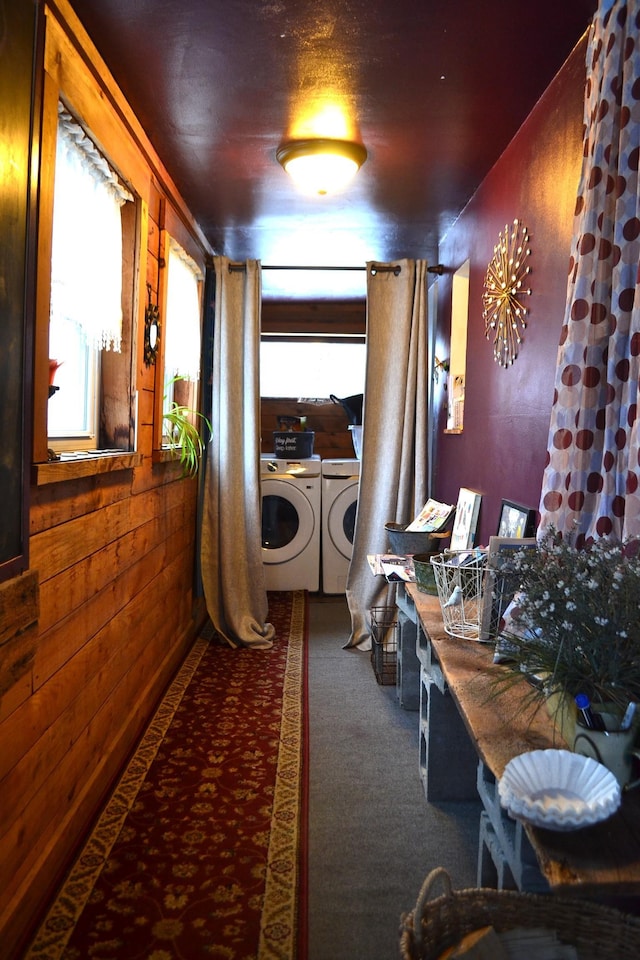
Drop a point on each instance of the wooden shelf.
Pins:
(602, 860)
(55, 471)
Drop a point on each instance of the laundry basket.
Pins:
(441, 921)
(459, 578)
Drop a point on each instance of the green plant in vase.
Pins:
(181, 433)
(574, 624)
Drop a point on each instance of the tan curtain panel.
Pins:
(231, 536)
(394, 467)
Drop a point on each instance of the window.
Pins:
(90, 228)
(182, 329)
(458, 348)
(311, 367)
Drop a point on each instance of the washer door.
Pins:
(341, 521)
(287, 520)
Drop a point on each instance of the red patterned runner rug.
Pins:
(199, 852)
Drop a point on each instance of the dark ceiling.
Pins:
(434, 89)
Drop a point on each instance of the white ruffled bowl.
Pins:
(558, 790)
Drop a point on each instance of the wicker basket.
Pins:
(439, 922)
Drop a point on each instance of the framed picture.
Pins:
(516, 520)
(466, 519)
(498, 591)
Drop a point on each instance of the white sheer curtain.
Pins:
(394, 468)
(231, 536)
(182, 321)
(86, 259)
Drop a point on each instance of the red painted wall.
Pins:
(501, 451)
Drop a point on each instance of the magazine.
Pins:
(433, 516)
(392, 566)
(398, 568)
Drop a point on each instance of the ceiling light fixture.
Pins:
(321, 166)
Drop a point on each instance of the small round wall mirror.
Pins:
(151, 333)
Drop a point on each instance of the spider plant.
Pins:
(182, 434)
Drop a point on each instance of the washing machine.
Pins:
(340, 480)
(291, 521)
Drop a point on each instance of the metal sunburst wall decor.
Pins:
(505, 318)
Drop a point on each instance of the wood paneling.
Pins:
(18, 619)
(324, 317)
(18, 605)
(93, 632)
(328, 420)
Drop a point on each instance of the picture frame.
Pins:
(516, 520)
(497, 593)
(466, 519)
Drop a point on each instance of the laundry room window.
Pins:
(311, 367)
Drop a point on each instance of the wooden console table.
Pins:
(602, 860)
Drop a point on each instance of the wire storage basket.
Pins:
(441, 921)
(384, 643)
(459, 580)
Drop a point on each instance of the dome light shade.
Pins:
(321, 166)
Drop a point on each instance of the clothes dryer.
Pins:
(340, 482)
(291, 521)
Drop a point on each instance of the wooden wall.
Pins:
(332, 440)
(92, 633)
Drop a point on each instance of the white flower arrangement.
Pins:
(575, 619)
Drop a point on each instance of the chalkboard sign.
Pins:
(18, 36)
(293, 444)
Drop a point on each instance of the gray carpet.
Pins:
(373, 837)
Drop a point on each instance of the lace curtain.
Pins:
(86, 259)
(591, 482)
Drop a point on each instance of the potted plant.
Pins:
(574, 624)
(181, 426)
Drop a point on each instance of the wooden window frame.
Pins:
(172, 226)
(68, 78)
(75, 73)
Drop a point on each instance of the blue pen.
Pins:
(591, 720)
(629, 714)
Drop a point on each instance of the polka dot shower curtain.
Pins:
(590, 485)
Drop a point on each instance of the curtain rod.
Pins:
(377, 268)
